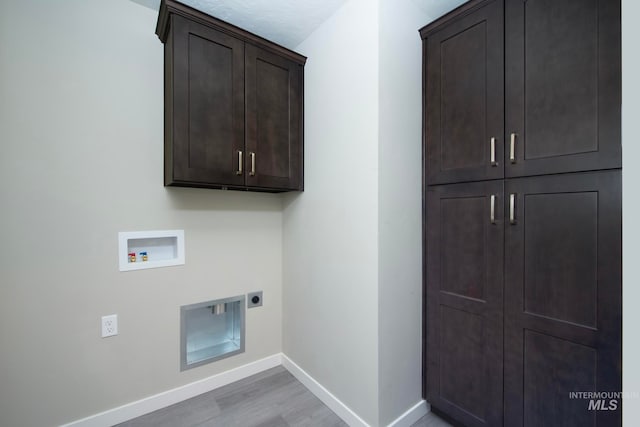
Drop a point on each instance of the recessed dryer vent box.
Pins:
(150, 249)
(211, 331)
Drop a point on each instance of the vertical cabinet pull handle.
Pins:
(239, 171)
(512, 208)
(512, 148)
(493, 152)
(253, 163)
(492, 214)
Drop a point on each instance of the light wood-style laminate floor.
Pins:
(431, 420)
(273, 398)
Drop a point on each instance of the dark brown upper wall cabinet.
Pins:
(536, 91)
(233, 105)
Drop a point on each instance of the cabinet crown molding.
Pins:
(459, 12)
(168, 7)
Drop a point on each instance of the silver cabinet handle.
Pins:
(512, 208)
(239, 171)
(512, 148)
(492, 215)
(493, 152)
(253, 163)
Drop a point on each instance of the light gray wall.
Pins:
(400, 207)
(352, 242)
(631, 208)
(330, 231)
(81, 130)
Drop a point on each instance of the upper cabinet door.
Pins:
(563, 90)
(204, 106)
(464, 80)
(273, 120)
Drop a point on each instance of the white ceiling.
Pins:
(287, 22)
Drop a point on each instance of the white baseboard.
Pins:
(412, 415)
(167, 398)
(342, 410)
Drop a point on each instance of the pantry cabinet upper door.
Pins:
(464, 107)
(563, 88)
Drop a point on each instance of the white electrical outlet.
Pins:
(109, 325)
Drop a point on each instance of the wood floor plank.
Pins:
(306, 410)
(243, 383)
(431, 420)
(265, 388)
(276, 421)
(184, 414)
(300, 408)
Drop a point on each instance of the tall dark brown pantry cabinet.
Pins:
(522, 215)
(233, 105)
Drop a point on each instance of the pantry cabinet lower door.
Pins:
(464, 282)
(563, 298)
